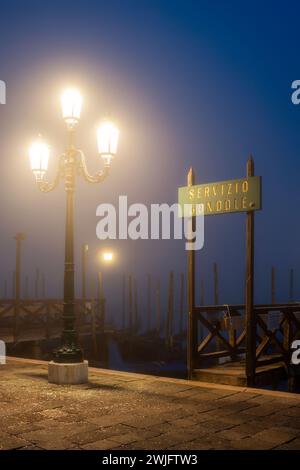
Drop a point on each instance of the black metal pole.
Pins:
(70, 351)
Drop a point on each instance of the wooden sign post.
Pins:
(249, 302)
(240, 195)
(192, 329)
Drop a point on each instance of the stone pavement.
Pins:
(118, 410)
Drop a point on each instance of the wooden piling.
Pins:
(130, 312)
(273, 285)
(216, 284)
(124, 302)
(26, 288)
(158, 308)
(84, 262)
(101, 302)
(135, 307)
(149, 302)
(291, 285)
(250, 314)
(43, 286)
(181, 307)
(215, 316)
(19, 238)
(170, 313)
(202, 293)
(202, 300)
(93, 317)
(37, 283)
(13, 287)
(192, 330)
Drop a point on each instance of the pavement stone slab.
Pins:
(118, 410)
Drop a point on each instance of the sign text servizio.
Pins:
(241, 195)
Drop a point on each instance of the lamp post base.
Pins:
(72, 373)
(70, 351)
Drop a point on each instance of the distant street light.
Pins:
(71, 163)
(107, 256)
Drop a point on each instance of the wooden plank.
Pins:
(215, 330)
(206, 341)
(274, 359)
(218, 354)
(233, 373)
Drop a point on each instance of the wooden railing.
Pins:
(222, 333)
(43, 318)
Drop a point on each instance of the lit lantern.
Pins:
(108, 256)
(71, 103)
(108, 137)
(39, 157)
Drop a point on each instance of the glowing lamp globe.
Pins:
(108, 256)
(107, 137)
(39, 157)
(71, 103)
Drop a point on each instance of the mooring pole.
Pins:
(202, 292)
(26, 288)
(14, 285)
(158, 308)
(93, 316)
(215, 316)
(101, 302)
(216, 285)
(249, 304)
(169, 323)
(273, 285)
(43, 285)
(135, 306)
(130, 303)
(5, 289)
(19, 238)
(291, 286)
(192, 331)
(181, 312)
(124, 302)
(148, 303)
(37, 283)
(84, 261)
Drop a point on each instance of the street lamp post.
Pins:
(71, 164)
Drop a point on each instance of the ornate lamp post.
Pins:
(71, 163)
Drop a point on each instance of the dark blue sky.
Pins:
(190, 83)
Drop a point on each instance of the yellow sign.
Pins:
(242, 195)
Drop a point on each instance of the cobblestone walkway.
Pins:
(129, 411)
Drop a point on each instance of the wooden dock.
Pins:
(233, 373)
(225, 340)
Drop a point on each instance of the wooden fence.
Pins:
(275, 327)
(27, 320)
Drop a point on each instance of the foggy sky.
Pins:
(189, 83)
